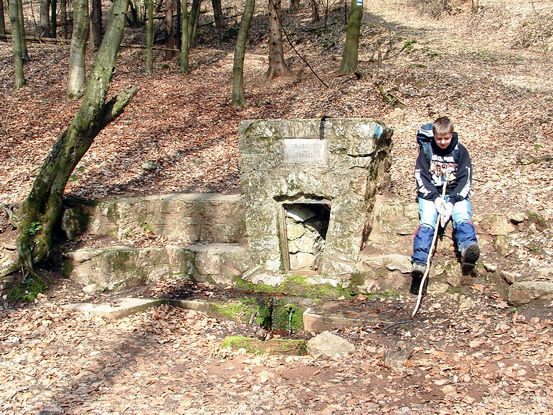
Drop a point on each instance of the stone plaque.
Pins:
(304, 150)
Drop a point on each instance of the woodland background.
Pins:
(486, 64)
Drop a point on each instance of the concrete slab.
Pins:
(336, 315)
(123, 308)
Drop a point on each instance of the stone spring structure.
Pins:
(308, 189)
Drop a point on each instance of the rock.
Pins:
(546, 271)
(150, 165)
(93, 289)
(294, 230)
(489, 267)
(503, 245)
(300, 213)
(518, 217)
(508, 276)
(329, 345)
(466, 303)
(526, 291)
(496, 224)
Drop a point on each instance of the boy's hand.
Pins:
(446, 214)
(439, 203)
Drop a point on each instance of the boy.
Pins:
(444, 160)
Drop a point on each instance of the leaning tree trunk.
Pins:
(277, 66)
(16, 39)
(238, 99)
(77, 54)
(351, 47)
(42, 208)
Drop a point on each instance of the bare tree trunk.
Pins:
(169, 27)
(96, 23)
(185, 39)
(53, 18)
(277, 66)
(63, 19)
(42, 208)
(315, 16)
(351, 47)
(218, 14)
(77, 55)
(238, 99)
(150, 38)
(193, 22)
(16, 39)
(24, 50)
(2, 21)
(44, 19)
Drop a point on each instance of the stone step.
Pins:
(183, 217)
(315, 318)
(125, 307)
(122, 267)
(332, 315)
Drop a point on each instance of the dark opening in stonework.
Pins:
(306, 225)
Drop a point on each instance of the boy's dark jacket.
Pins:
(429, 182)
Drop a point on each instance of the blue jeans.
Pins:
(463, 229)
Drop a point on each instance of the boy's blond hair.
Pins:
(442, 125)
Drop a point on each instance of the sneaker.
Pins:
(469, 256)
(417, 272)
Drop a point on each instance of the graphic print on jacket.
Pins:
(452, 164)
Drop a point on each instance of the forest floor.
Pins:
(467, 352)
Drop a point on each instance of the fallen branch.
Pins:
(390, 98)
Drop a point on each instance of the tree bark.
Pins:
(53, 18)
(169, 27)
(2, 21)
(277, 66)
(24, 51)
(193, 22)
(44, 19)
(96, 23)
(351, 47)
(218, 14)
(150, 38)
(238, 99)
(42, 208)
(185, 39)
(63, 18)
(77, 54)
(16, 39)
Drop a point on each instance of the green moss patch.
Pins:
(273, 346)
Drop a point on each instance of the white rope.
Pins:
(430, 253)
